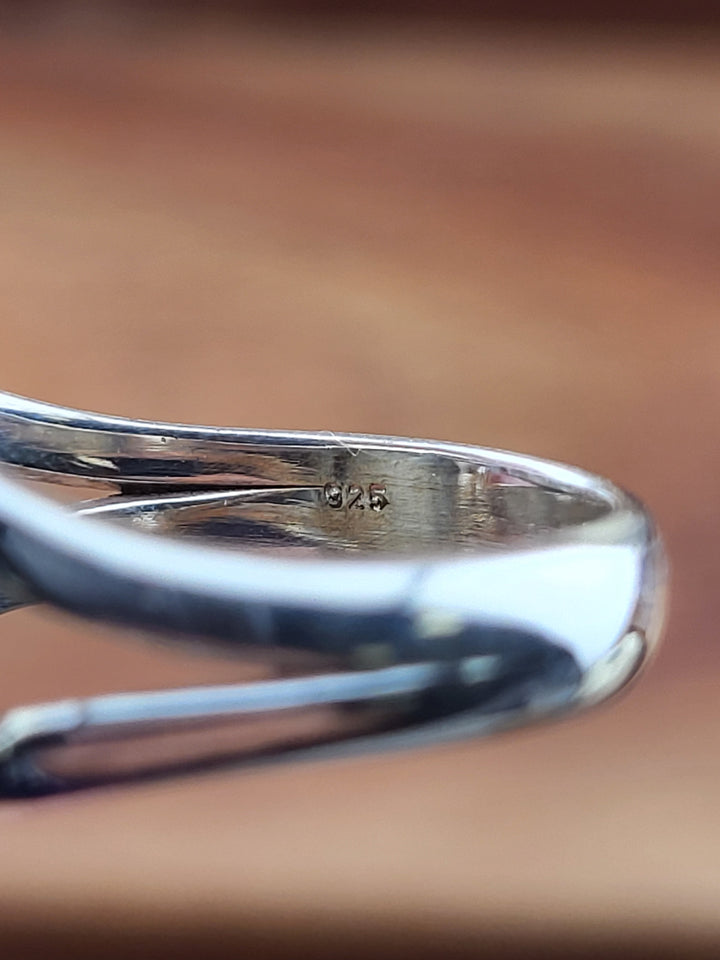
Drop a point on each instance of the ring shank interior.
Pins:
(311, 491)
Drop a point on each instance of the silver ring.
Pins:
(400, 591)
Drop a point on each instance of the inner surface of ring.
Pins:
(366, 500)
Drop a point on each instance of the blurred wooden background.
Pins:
(507, 236)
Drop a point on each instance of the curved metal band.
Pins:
(460, 588)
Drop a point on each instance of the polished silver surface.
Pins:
(399, 590)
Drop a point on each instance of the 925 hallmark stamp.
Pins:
(352, 496)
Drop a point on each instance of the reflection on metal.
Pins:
(611, 672)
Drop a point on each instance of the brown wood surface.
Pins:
(509, 239)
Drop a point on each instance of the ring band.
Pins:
(408, 590)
